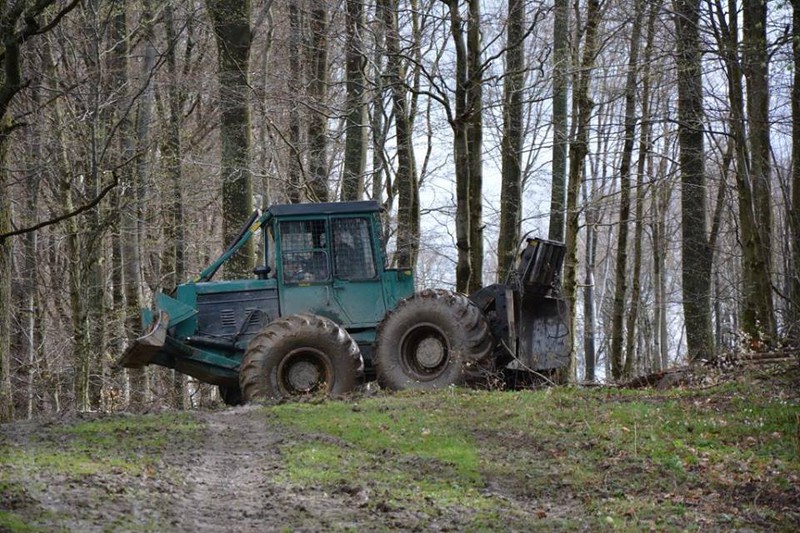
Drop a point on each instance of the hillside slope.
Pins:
(723, 454)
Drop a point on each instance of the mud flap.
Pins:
(145, 348)
(543, 333)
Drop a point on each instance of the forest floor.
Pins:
(721, 453)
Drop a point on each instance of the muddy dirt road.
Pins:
(225, 479)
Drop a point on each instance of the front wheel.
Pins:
(299, 355)
(431, 340)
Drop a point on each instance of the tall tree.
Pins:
(578, 149)
(759, 315)
(475, 68)
(644, 155)
(795, 207)
(511, 188)
(561, 58)
(355, 149)
(621, 277)
(318, 94)
(467, 124)
(295, 82)
(696, 267)
(231, 20)
(406, 175)
(174, 230)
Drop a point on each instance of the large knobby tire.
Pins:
(299, 355)
(431, 340)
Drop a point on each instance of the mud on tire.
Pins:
(299, 355)
(431, 340)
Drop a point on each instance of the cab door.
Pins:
(357, 287)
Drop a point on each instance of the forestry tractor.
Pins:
(323, 312)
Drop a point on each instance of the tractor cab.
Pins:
(329, 261)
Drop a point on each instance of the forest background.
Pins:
(660, 141)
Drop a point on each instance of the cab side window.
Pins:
(304, 251)
(353, 256)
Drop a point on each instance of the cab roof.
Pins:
(324, 208)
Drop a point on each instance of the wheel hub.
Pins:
(303, 376)
(430, 352)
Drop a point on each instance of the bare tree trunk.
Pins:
(128, 208)
(578, 148)
(589, 320)
(6, 398)
(795, 207)
(31, 336)
(475, 145)
(172, 153)
(755, 65)
(618, 363)
(231, 20)
(561, 64)
(696, 268)
(755, 269)
(379, 170)
(459, 123)
(660, 204)
(406, 178)
(318, 93)
(644, 149)
(295, 81)
(511, 189)
(355, 150)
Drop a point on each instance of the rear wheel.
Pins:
(431, 340)
(299, 355)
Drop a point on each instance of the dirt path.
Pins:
(233, 482)
(228, 478)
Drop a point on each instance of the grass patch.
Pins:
(131, 444)
(562, 458)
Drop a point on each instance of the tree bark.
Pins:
(318, 93)
(561, 64)
(173, 198)
(621, 278)
(511, 187)
(644, 153)
(295, 83)
(696, 267)
(759, 308)
(459, 123)
(231, 20)
(6, 270)
(578, 148)
(475, 145)
(795, 207)
(355, 149)
(406, 177)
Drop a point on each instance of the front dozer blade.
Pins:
(543, 335)
(145, 348)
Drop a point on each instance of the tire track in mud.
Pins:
(230, 476)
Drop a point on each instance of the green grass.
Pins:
(563, 458)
